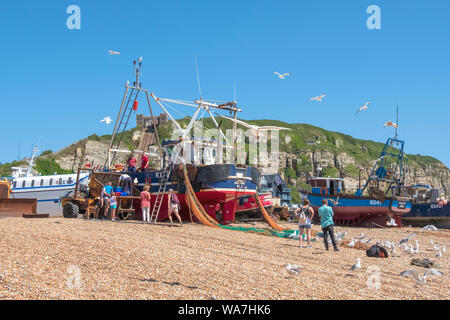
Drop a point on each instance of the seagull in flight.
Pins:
(282, 76)
(106, 120)
(111, 53)
(421, 279)
(319, 98)
(390, 124)
(364, 107)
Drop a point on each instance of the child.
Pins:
(113, 203)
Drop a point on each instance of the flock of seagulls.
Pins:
(294, 270)
(420, 280)
(365, 106)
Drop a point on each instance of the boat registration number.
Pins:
(375, 203)
(402, 205)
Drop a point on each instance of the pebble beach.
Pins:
(60, 258)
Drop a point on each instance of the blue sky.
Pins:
(57, 84)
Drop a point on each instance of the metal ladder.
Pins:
(124, 119)
(161, 192)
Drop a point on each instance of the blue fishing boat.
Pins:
(381, 202)
(429, 207)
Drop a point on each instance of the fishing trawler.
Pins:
(385, 201)
(429, 207)
(217, 184)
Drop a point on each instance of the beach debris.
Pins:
(282, 76)
(111, 53)
(443, 249)
(406, 239)
(319, 98)
(357, 265)
(292, 269)
(364, 107)
(439, 254)
(390, 124)
(430, 227)
(394, 251)
(106, 120)
(424, 263)
(420, 280)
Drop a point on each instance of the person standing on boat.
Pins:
(326, 220)
(131, 163)
(305, 218)
(145, 204)
(126, 183)
(144, 162)
(173, 204)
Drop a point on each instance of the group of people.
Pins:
(132, 163)
(305, 215)
(108, 199)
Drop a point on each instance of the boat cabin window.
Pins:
(50, 182)
(32, 183)
(42, 182)
(69, 181)
(15, 184)
(60, 181)
(23, 184)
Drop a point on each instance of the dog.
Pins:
(94, 210)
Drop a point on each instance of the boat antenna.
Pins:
(396, 128)
(234, 97)
(198, 79)
(18, 154)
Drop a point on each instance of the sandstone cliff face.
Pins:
(84, 152)
(308, 163)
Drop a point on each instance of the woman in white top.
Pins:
(305, 217)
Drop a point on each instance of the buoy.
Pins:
(326, 191)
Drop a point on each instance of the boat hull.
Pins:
(352, 210)
(430, 213)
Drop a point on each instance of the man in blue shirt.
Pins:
(326, 221)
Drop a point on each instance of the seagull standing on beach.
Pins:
(111, 53)
(406, 239)
(292, 269)
(319, 98)
(106, 120)
(439, 254)
(364, 107)
(282, 76)
(357, 265)
(351, 243)
(443, 249)
(361, 236)
(420, 280)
